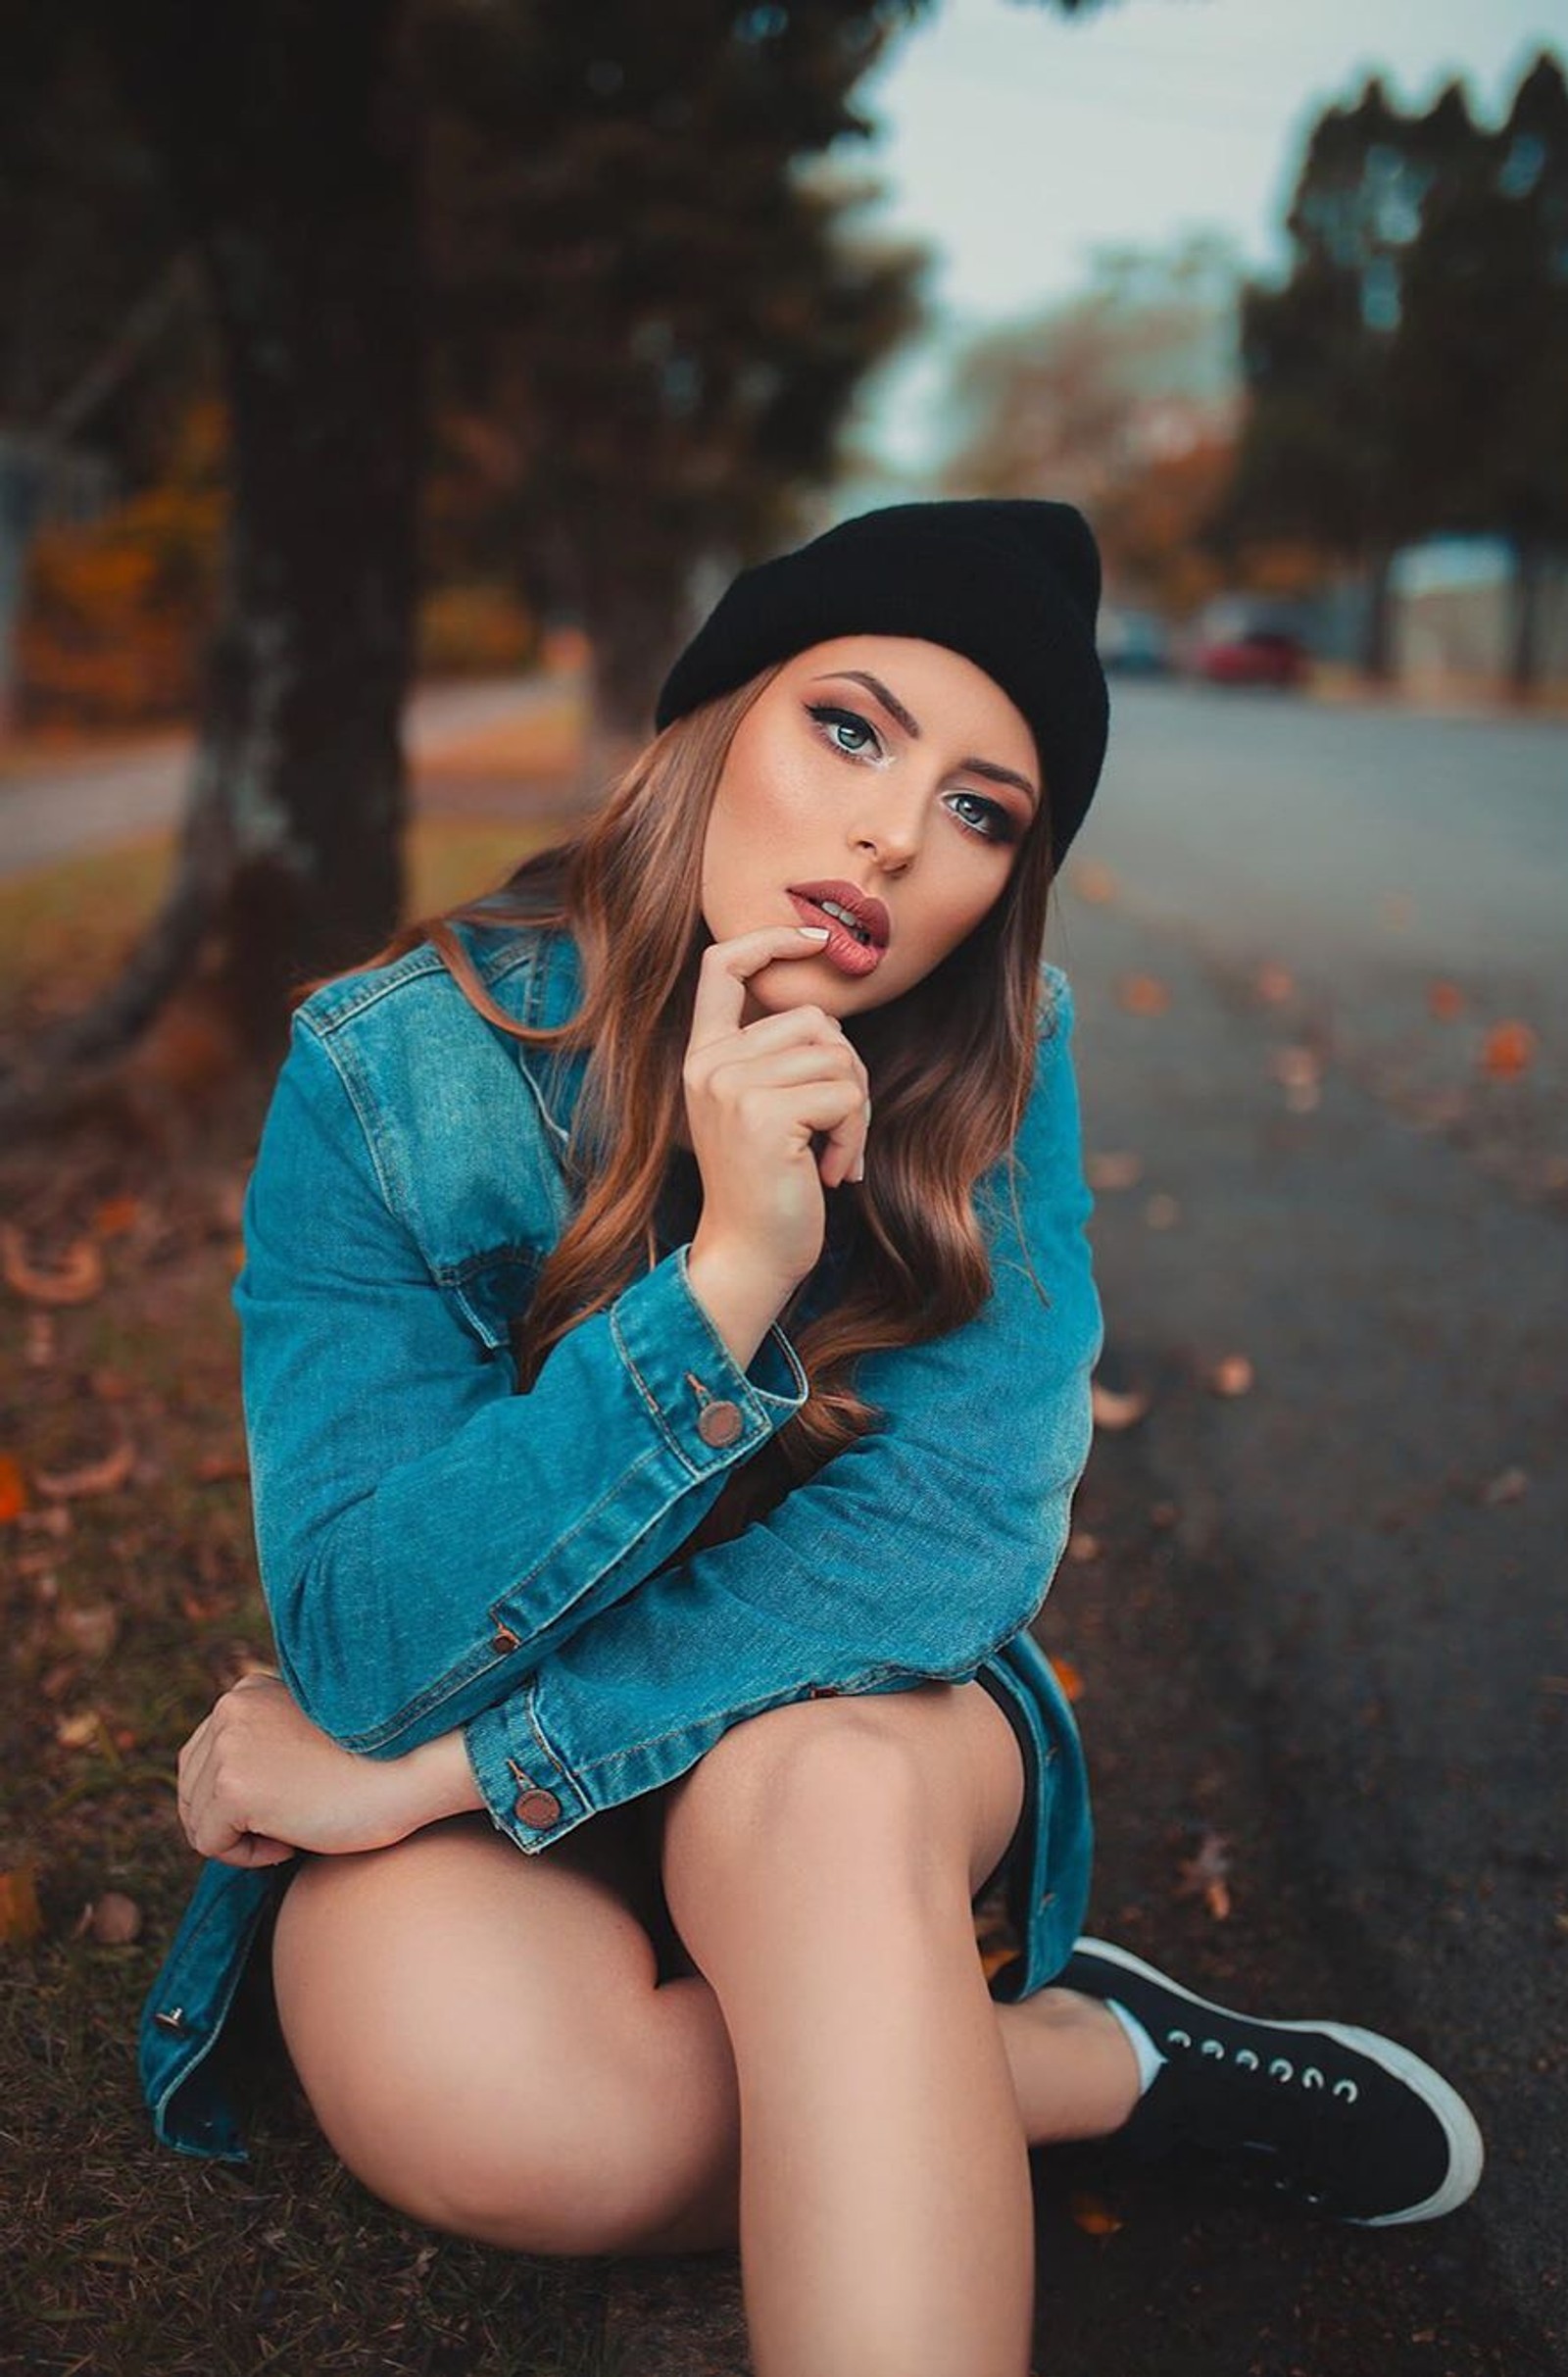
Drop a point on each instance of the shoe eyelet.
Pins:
(1311, 2077)
(1212, 2047)
(1248, 2059)
(1346, 2090)
(1178, 2038)
(1281, 2070)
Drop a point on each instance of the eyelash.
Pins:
(827, 715)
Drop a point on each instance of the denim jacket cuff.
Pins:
(710, 1411)
(529, 1793)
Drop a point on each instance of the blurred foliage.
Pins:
(1408, 379)
(475, 630)
(120, 605)
(86, 230)
(1124, 400)
(647, 319)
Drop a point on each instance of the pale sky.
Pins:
(1016, 141)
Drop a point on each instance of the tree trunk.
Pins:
(1524, 641)
(1377, 633)
(634, 632)
(290, 141)
(21, 482)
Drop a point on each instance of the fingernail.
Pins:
(812, 932)
(859, 1173)
(868, 1113)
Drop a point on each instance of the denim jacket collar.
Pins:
(551, 994)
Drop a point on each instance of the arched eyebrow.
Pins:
(912, 727)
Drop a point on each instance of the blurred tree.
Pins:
(288, 142)
(96, 318)
(1479, 371)
(1322, 454)
(1123, 399)
(647, 321)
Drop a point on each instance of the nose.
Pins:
(891, 824)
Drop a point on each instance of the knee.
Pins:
(802, 1779)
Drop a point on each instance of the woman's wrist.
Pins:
(741, 1304)
(438, 1780)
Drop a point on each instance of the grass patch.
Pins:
(64, 928)
(126, 1610)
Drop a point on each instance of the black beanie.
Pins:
(1011, 583)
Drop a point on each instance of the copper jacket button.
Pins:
(719, 1423)
(538, 1810)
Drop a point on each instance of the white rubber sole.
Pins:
(1466, 2153)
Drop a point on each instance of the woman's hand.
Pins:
(756, 1098)
(259, 1781)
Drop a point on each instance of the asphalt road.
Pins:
(1325, 1618)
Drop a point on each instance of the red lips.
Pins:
(868, 913)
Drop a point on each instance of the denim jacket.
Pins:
(439, 1550)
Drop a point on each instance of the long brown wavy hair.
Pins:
(950, 1062)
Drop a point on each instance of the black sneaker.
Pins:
(1337, 2117)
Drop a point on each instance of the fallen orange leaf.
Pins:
(1507, 1051)
(1069, 1677)
(13, 1488)
(114, 1217)
(1231, 1374)
(1114, 1409)
(1093, 2214)
(94, 1628)
(1118, 1170)
(1142, 994)
(76, 1278)
(1207, 1876)
(114, 1920)
(216, 1468)
(1444, 1001)
(76, 1732)
(1093, 883)
(1274, 984)
(21, 1918)
(1083, 1546)
(105, 1476)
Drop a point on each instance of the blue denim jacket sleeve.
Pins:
(916, 1554)
(425, 1533)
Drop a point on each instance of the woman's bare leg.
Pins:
(485, 2044)
(482, 2038)
(819, 1868)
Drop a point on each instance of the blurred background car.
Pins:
(1241, 642)
(1134, 643)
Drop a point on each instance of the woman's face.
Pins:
(889, 777)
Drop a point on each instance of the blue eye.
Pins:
(992, 822)
(853, 737)
(835, 721)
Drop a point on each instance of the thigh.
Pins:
(464, 2018)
